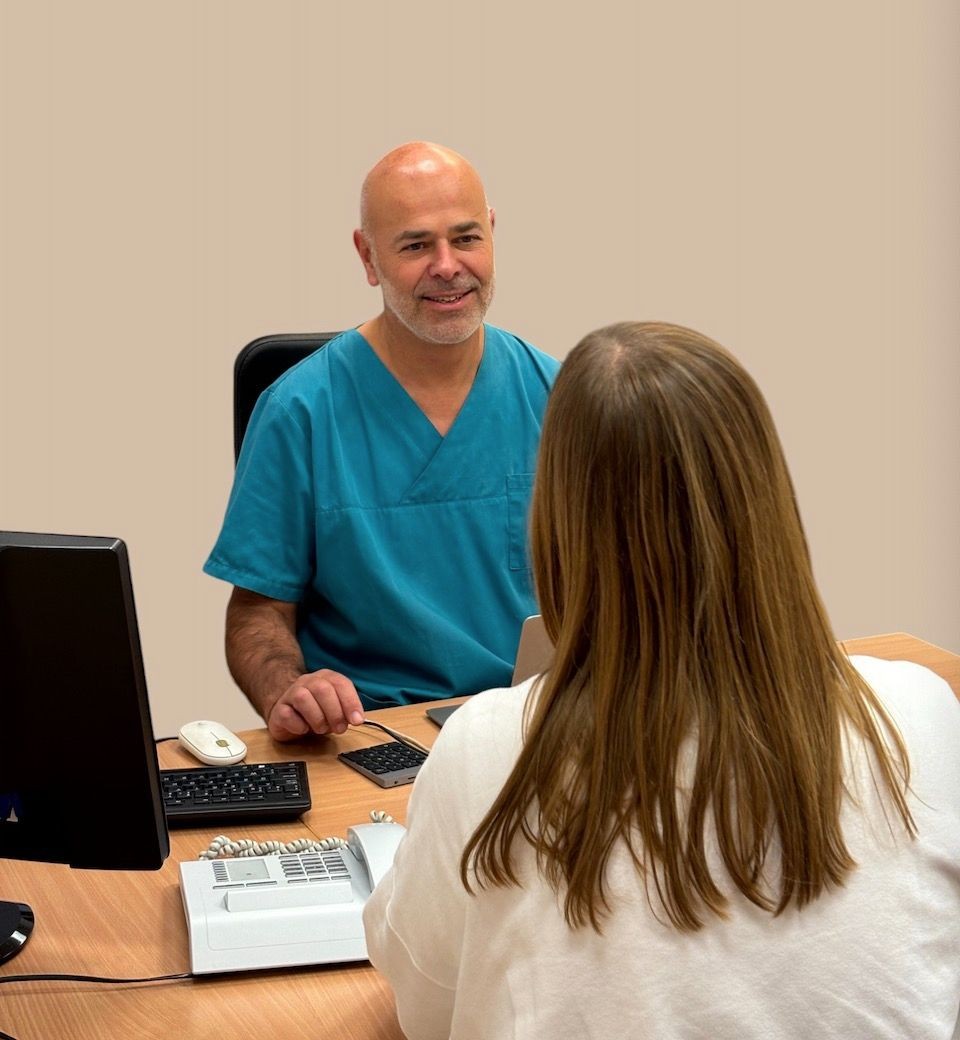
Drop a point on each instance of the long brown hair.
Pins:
(675, 582)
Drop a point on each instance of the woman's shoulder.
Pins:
(492, 714)
(922, 705)
(480, 741)
(910, 686)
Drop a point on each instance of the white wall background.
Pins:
(179, 178)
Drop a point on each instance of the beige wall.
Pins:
(178, 178)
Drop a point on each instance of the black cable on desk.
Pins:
(82, 978)
(89, 978)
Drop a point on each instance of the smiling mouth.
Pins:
(448, 297)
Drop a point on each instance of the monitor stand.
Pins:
(16, 924)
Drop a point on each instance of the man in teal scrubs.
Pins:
(376, 530)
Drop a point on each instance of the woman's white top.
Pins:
(877, 959)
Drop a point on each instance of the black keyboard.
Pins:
(244, 792)
(388, 765)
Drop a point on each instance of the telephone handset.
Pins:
(279, 911)
(373, 846)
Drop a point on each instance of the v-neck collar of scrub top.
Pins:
(409, 423)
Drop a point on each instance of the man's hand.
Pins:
(318, 702)
(265, 660)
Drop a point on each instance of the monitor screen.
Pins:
(79, 781)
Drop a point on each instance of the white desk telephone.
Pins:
(279, 911)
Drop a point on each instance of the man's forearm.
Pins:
(263, 654)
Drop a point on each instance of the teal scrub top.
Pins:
(405, 549)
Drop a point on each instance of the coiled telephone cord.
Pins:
(223, 847)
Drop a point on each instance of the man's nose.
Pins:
(446, 262)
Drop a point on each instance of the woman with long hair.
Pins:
(704, 819)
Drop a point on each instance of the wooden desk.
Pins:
(131, 924)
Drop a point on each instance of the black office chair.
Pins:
(259, 364)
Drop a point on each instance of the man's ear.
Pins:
(493, 217)
(366, 256)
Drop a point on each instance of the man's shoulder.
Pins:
(311, 373)
(522, 351)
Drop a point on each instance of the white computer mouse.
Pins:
(212, 743)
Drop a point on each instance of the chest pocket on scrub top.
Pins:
(519, 486)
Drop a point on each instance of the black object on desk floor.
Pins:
(246, 792)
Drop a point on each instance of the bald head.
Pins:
(413, 168)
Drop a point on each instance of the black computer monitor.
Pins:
(79, 781)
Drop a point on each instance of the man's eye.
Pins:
(413, 247)
(468, 240)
